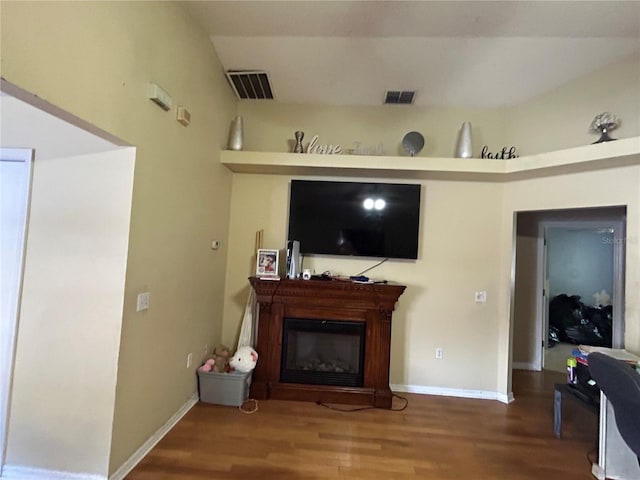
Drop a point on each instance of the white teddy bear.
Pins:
(244, 360)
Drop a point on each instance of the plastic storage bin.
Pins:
(224, 388)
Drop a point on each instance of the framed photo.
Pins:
(267, 263)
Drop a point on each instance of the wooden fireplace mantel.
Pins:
(324, 300)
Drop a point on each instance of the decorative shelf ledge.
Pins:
(589, 157)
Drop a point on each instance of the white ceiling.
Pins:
(453, 53)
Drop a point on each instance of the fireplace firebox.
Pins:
(322, 352)
(300, 307)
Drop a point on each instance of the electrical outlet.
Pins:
(189, 360)
(439, 353)
(143, 301)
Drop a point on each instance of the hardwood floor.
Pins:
(433, 438)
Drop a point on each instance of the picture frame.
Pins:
(267, 262)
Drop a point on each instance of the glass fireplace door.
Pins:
(323, 352)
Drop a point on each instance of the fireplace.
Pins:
(322, 352)
(298, 320)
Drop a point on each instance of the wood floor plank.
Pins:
(435, 438)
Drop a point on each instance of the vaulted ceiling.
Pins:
(451, 53)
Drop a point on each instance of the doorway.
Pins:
(579, 287)
(77, 243)
(532, 290)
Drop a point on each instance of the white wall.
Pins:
(65, 371)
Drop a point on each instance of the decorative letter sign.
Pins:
(503, 154)
(325, 149)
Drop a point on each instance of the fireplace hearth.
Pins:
(326, 341)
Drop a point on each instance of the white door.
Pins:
(15, 183)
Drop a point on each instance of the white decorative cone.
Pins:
(464, 147)
(235, 134)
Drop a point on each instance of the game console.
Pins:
(293, 259)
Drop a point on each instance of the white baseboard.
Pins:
(524, 366)
(597, 471)
(146, 447)
(20, 472)
(454, 392)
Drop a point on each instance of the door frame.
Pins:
(9, 330)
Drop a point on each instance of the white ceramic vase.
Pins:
(464, 147)
(235, 134)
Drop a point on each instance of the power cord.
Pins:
(371, 268)
(251, 410)
(359, 409)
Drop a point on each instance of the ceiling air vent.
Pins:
(399, 97)
(250, 84)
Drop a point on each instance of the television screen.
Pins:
(355, 218)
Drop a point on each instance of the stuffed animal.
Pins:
(221, 356)
(244, 360)
(208, 365)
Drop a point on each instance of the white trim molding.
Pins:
(454, 392)
(20, 472)
(146, 447)
(525, 366)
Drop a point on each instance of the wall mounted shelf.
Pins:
(588, 157)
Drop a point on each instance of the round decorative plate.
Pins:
(413, 143)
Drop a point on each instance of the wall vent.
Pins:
(399, 97)
(250, 84)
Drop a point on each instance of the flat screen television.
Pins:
(355, 218)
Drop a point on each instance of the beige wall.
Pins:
(458, 256)
(581, 190)
(466, 245)
(474, 218)
(561, 118)
(526, 298)
(95, 60)
(270, 127)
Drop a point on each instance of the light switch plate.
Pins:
(143, 301)
(183, 116)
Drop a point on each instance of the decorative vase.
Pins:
(464, 146)
(235, 134)
(298, 147)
